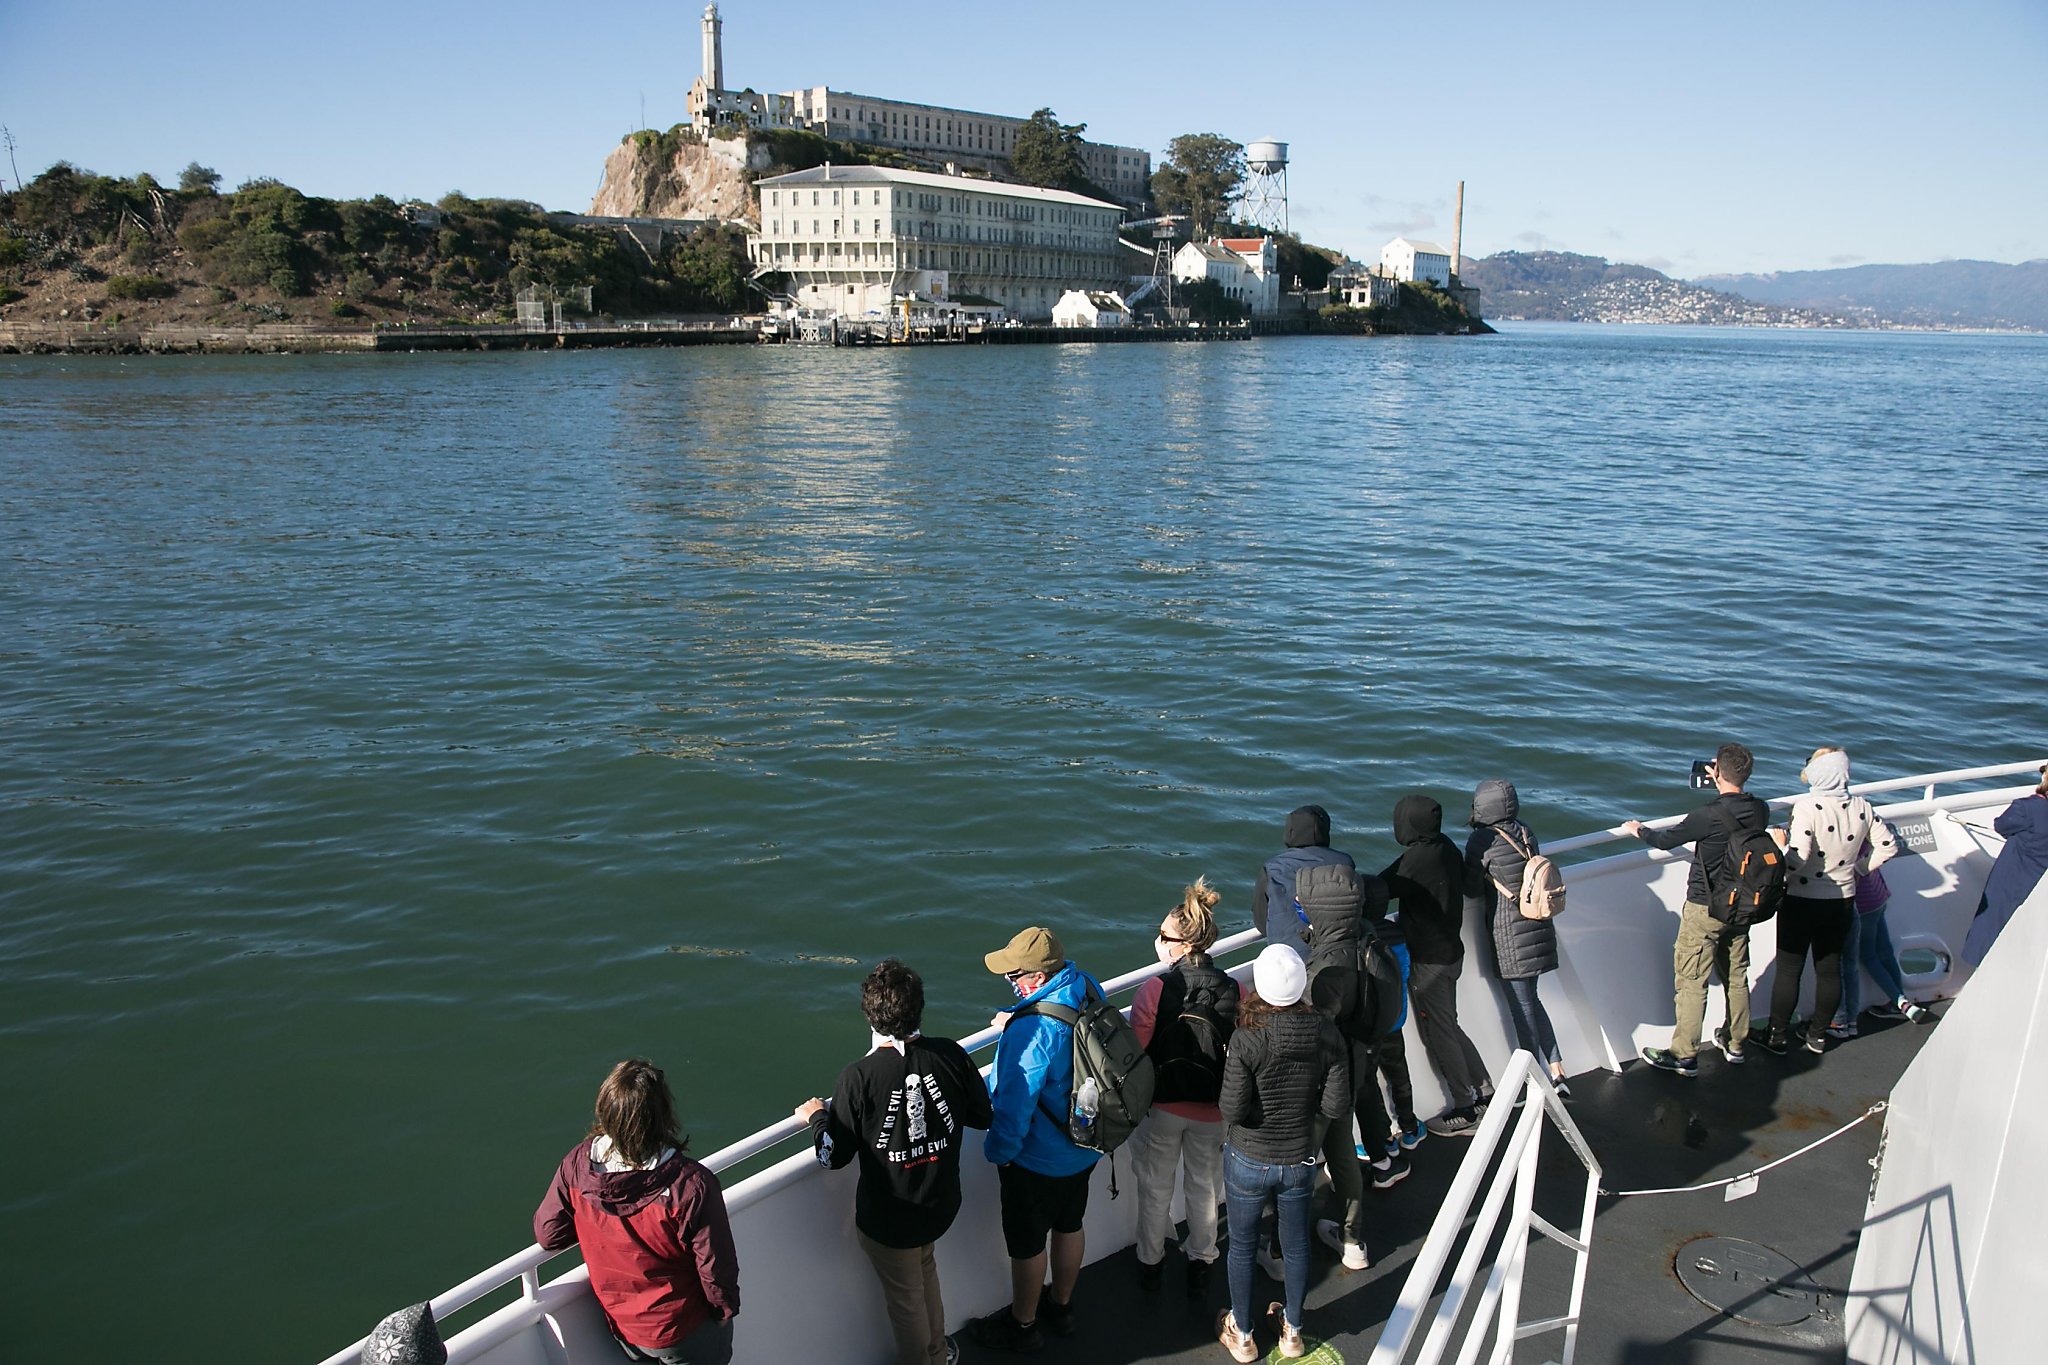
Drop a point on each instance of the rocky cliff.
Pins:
(678, 175)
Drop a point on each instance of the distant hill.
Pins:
(1943, 294)
(1561, 286)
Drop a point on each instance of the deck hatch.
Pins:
(1749, 1282)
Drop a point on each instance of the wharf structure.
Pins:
(934, 132)
(857, 240)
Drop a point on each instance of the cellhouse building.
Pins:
(856, 240)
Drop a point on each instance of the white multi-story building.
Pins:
(960, 136)
(862, 239)
(931, 131)
(1411, 260)
(1247, 269)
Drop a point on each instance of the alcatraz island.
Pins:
(814, 214)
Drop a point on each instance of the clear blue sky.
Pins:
(1695, 138)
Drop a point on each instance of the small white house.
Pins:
(1411, 260)
(1090, 308)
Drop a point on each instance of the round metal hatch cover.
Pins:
(1748, 1281)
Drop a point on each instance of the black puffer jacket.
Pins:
(1341, 907)
(1522, 947)
(1283, 1073)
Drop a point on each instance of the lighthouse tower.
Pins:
(714, 54)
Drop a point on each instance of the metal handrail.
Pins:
(1499, 1307)
(1926, 781)
(525, 1265)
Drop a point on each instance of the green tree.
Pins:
(1205, 301)
(1048, 153)
(710, 268)
(198, 179)
(1199, 177)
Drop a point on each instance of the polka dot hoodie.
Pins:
(1833, 836)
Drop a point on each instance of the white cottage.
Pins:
(1090, 308)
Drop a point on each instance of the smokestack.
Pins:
(1458, 234)
(714, 56)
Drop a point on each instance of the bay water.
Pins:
(389, 744)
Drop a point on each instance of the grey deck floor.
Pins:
(1650, 1129)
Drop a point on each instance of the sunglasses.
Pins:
(1016, 975)
(1169, 938)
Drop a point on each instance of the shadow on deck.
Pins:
(1650, 1130)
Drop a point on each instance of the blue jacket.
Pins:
(2015, 873)
(1032, 1080)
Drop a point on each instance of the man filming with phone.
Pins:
(1708, 945)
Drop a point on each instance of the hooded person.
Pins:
(1362, 1005)
(1427, 887)
(1307, 839)
(1523, 949)
(1831, 839)
(652, 1225)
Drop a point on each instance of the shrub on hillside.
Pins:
(139, 287)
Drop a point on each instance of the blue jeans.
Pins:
(1870, 942)
(1247, 1185)
(1532, 1025)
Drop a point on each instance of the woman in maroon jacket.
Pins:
(651, 1223)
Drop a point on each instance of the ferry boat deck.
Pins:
(1651, 1130)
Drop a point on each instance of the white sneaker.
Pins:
(1270, 1263)
(1333, 1237)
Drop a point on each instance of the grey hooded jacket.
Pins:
(1522, 948)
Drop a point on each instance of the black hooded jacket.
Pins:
(1427, 882)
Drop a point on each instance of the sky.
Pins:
(1695, 138)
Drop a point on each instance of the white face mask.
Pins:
(1164, 950)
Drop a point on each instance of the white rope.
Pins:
(1872, 1112)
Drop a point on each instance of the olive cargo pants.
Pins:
(1706, 946)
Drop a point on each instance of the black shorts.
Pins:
(1034, 1205)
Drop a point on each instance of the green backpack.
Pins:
(1113, 1076)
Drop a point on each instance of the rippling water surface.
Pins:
(392, 743)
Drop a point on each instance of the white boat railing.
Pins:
(1498, 1312)
(1927, 782)
(524, 1267)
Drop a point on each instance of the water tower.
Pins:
(1262, 199)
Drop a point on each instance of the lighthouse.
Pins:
(714, 56)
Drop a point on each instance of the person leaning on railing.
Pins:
(1707, 947)
(1831, 838)
(651, 1223)
(902, 1111)
(2015, 873)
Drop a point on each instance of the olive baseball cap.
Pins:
(1034, 950)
